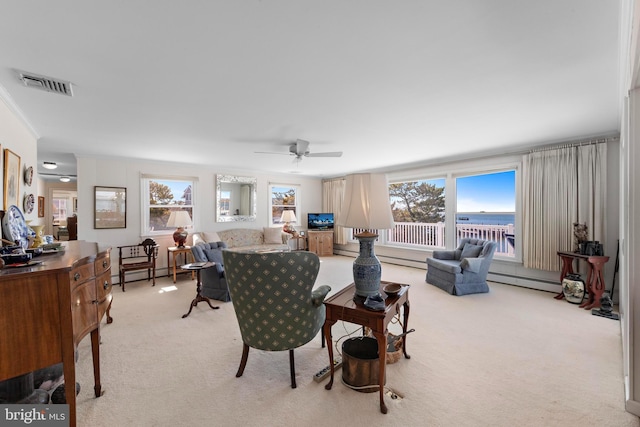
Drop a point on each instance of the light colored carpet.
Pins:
(510, 357)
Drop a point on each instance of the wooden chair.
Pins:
(138, 257)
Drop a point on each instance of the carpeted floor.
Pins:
(511, 357)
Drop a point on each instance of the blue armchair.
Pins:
(274, 300)
(463, 270)
(214, 282)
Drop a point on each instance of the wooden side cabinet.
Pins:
(321, 242)
(48, 308)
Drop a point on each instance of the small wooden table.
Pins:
(595, 279)
(298, 238)
(198, 267)
(172, 254)
(342, 306)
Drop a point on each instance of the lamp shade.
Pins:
(366, 202)
(288, 216)
(366, 206)
(179, 219)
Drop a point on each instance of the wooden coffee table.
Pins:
(342, 306)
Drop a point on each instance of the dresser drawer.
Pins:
(102, 264)
(83, 309)
(103, 285)
(81, 274)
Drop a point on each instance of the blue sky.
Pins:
(494, 192)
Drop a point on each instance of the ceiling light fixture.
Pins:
(65, 179)
(49, 165)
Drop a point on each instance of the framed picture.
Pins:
(110, 207)
(40, 207)
(75, 204)
(11, 179)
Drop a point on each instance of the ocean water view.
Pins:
(486, 218)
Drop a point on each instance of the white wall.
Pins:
(16, 135)
(116, 172)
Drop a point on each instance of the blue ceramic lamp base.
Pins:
(367, 270)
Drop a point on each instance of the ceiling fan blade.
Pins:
(271, 152)
(327, 154)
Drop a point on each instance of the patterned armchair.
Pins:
(272, 295)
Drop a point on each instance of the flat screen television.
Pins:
(320, 221)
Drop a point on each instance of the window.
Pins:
(486, 209)
(59, 210)
(436, 212)
(283, 197)
(161, 196)
(418, 212)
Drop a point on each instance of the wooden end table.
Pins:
(172, 255)
(342, 306)
(595, 278)
(198, 267)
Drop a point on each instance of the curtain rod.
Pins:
(575, 144)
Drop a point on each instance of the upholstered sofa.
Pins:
(250, 239)
(463, 270)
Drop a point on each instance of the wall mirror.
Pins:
(235, 198)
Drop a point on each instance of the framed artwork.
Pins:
(40, 207)
(110, 207)
(75, 204)
(12, 179)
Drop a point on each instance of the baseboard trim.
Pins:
(633, 406)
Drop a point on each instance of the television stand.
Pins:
(320, 242)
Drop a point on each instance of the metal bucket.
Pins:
(361, 364)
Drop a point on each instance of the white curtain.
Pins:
(562, 186)
(332, 196)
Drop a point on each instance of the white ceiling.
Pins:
(386, 82)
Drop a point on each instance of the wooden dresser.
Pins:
(47, 309)
(321, 242)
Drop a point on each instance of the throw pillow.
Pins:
(210, 236)
(470, 251)
(198, 252)
(214, 255)
(272, 235)
(471, 264)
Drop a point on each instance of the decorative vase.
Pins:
(573, 288)
(38, 241)
(367, 270)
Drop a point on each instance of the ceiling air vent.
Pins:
(45, 83)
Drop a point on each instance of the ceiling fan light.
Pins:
(49, 165)
(65, 179)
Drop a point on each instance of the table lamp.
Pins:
(366, 206)
(288, 217)
(179, 219)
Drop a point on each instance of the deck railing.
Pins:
(432, 235)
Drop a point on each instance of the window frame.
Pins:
(295, 207)
(451, 172)
(145, 200)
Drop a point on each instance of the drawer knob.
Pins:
(76, 277)
(105, 285)
(104, 263)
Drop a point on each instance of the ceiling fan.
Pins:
(300, 149)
